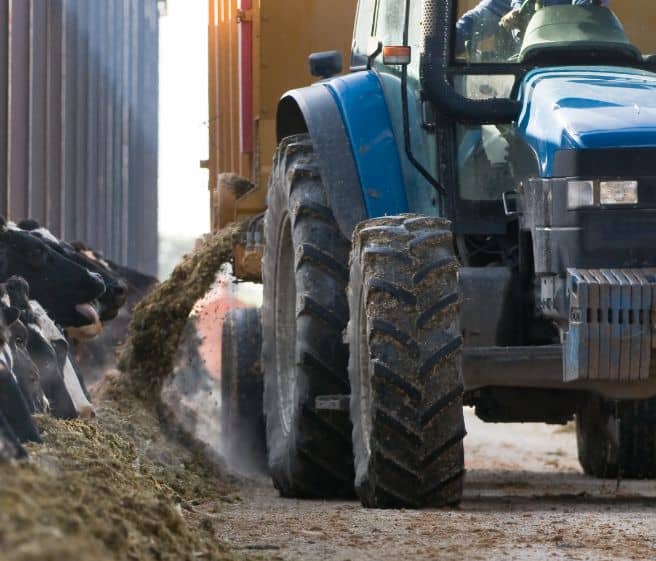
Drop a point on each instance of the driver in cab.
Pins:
(488, 15)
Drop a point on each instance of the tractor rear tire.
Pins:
(242, 416)
(603, 451)
(404, 340)
(304, 314)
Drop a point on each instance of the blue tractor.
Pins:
(461, 221)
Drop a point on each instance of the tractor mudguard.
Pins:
(348, 121)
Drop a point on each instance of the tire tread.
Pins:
(404, 276)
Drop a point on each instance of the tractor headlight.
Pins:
(583, 193)
(580, 194)
(618, 192)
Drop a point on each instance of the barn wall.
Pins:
(78, 121)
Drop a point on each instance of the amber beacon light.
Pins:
(397, 55)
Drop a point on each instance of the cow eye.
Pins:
(20, 341)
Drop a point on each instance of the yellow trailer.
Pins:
(258, 49)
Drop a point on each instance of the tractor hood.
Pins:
(586, 109)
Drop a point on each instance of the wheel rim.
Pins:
(365, 379)
(285, 326)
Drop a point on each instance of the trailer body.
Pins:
(257, 51)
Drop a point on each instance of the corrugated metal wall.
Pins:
(78, 121)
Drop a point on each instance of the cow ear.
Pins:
(10, 315)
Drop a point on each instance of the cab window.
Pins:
(391, 18)
(364, 27)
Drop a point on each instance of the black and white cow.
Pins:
(72, 380)
(49, 351)
(48, 286)
(23, 367)
(111, 301)
(62, 287)
(12, 402)
(25, 370)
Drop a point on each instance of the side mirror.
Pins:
(325, 64)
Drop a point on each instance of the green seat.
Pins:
(576, 29)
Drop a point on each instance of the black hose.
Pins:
(441, 191)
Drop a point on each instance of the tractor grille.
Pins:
(610, 324)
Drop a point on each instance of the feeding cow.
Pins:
(26, 371)
(43, 355)
(62, 287)
(72, 380)
(49, 285)
(111, 301)
(49, 350)
(23, 367)
(12, 402)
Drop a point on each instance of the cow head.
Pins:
(26, 371)
(13, 405)
(111, 301)
(41, 352)
(52, 377)
(63, 287)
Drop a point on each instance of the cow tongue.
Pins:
(88, 311)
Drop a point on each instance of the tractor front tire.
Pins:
(404, 341)
(242, 416)
(604, 450)
(304, 314)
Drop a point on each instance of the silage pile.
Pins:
(113, 488)
(117, 487)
